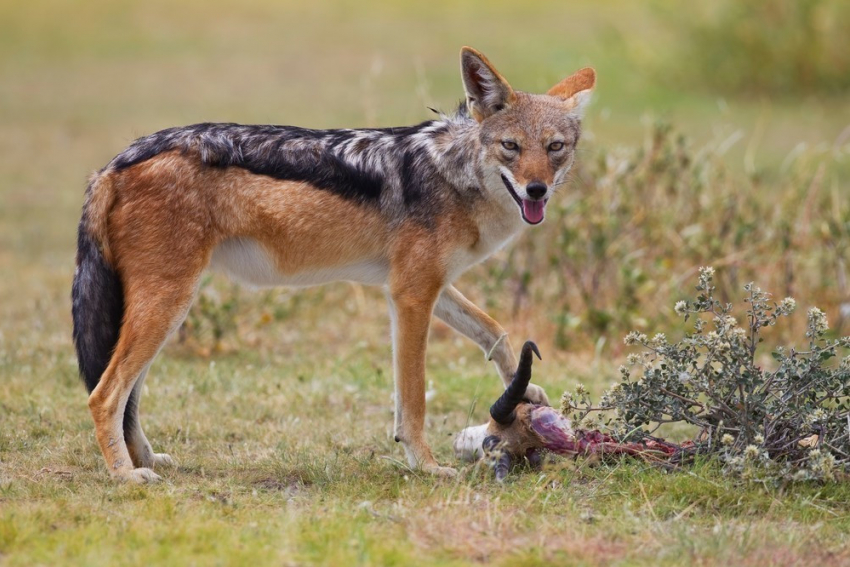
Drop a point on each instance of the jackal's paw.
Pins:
(139, 476)
(164, 460)
(536, 395)
(437, 470)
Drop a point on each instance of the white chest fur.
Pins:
(497, 226)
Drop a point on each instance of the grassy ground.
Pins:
(283, 437)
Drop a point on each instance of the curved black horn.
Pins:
(502, 411)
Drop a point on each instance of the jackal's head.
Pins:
(528, 140)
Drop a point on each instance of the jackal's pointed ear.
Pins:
(576, 89)
(487, 92)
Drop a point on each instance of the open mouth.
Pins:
(532, 211)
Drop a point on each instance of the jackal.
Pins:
(409, 209)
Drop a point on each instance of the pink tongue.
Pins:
(533, 210)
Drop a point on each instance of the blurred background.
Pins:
(718, 136)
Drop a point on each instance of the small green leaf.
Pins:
(826, 355)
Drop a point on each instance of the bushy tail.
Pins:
(97, 295)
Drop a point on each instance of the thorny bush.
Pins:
(787, 422)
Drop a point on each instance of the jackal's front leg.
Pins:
(410, 311)
(467, 319)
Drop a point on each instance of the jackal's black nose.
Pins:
(536, 189)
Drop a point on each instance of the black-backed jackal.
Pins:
(409, 209)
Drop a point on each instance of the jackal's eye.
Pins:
(510, 146)
(556, 146)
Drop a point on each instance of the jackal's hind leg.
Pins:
(141, 452)
(153, 309)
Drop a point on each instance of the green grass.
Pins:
(283, 437)
(286, 458)
(293, 464)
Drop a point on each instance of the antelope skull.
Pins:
(511, 434)
(521, 430)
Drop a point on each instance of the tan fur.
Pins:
(519, 435)
(535, 165)
(100, 200)
(170, 213)
(159, 223)
(153, 220)
(475, 108)
(471, 321)
(581, 80)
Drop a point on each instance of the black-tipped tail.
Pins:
(97, 307)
